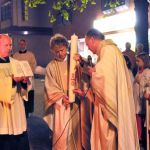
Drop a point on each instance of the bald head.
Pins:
(128, 45)
(4, 36)
(5, 45)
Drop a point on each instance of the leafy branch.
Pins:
(34, 3)
(62, 7)
(112, 4)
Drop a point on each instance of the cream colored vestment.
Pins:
(12, 113)
(114, 112)
(57, 115)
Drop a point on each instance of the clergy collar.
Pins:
(4, 60)
(65, 58)
(22, 52)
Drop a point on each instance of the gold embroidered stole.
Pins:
(58, 75)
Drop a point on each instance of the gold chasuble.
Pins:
(114, 109)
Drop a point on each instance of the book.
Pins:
(21, 69)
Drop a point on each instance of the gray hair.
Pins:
(57, 40)
(95, 34)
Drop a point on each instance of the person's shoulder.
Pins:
(107, 48)
(13, 60)
(51, 63)
(16, 53)
(128, 51)
(131, 51)
(30, 52)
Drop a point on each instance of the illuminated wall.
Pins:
(119, 28)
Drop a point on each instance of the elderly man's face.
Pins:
(90, 42)
(5, 46)
(61, 52)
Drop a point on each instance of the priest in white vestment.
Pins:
(61, 116)
(26, 55)
(114, 120)
(13, 127)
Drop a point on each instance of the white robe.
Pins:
(12, 113)
(57, 116)
(114, 104)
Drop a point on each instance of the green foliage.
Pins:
(113, 4)
(35, 3)
(62, 7)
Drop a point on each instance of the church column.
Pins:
(141, 27)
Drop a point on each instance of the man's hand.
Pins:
(25, 79)
(77, 57)
(90, 70)
(147, 96)
(17, 79)
(66, 101)
(79, 92)
(137, 79)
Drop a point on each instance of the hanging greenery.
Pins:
(62, 7)
(31, 4)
